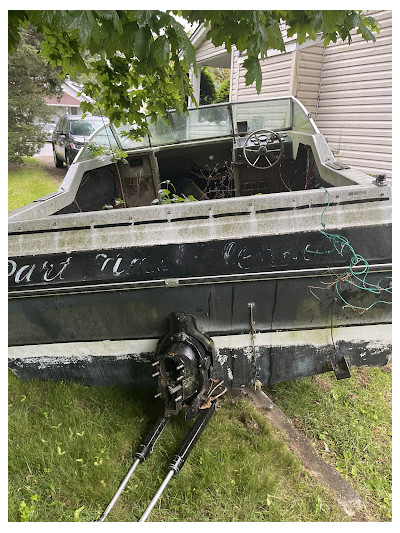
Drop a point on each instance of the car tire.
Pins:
(68, 159)
(58, 163)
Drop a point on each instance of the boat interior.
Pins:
(212, 152)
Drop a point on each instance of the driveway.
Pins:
(45, 156)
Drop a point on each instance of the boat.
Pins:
(227, 248)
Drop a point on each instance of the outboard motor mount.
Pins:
(183, 362)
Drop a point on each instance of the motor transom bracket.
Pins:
(183, 363)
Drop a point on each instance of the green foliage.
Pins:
(167, 196)
(102, 152)
(140, 60)
(223, 92)
(207, 87)
(219, 75)
(30, 79)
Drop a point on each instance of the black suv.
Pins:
(70, 134)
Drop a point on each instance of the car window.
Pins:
(83, 127)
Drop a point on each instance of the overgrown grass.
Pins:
(28, 182)
(71, 446)
(349, 422)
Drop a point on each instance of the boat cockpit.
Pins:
(213, 152)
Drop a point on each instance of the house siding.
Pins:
(307, 83)
(235, 72)
(207, 50)
(346, 88)
(355, 101)
(276, 78)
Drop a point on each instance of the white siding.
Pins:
(308, 77)
(354, 110)
(235, 70)
(276, 78)
(207, 50)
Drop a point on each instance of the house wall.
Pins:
(59, 110)
(355, 101)
(235, 67)
(275, 82)
(207, 50)
(69, 102)
(306, 82)
(346, 88)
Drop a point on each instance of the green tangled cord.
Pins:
(359, 279)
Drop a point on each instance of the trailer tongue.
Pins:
(177, 462)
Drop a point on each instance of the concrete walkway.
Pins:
(345, 495)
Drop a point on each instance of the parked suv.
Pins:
(70, 134)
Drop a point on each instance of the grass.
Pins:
(28, 182)
(71, 445)
(349, 422)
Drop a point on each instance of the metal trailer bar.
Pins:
(119, 491)
(180, 458)
(145, 449)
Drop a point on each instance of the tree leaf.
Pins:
(159, 50)
(252, 64)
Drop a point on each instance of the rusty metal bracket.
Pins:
(339, 363)
(253, 333)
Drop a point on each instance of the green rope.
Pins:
(359, 280)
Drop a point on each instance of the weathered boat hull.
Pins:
(102, 327)
(287, 283)
(280, 356)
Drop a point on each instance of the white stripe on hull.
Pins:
(375, 337)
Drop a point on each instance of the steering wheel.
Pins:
(259, 147)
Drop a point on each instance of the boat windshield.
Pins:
(200, 123)
(209, 122)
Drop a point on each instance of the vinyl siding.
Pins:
(235, 70)
(276, 78)
(207, 50)
(308, 77)
(355, 101)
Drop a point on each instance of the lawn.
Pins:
(350, 424)
(28, 182)
(70, 445)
